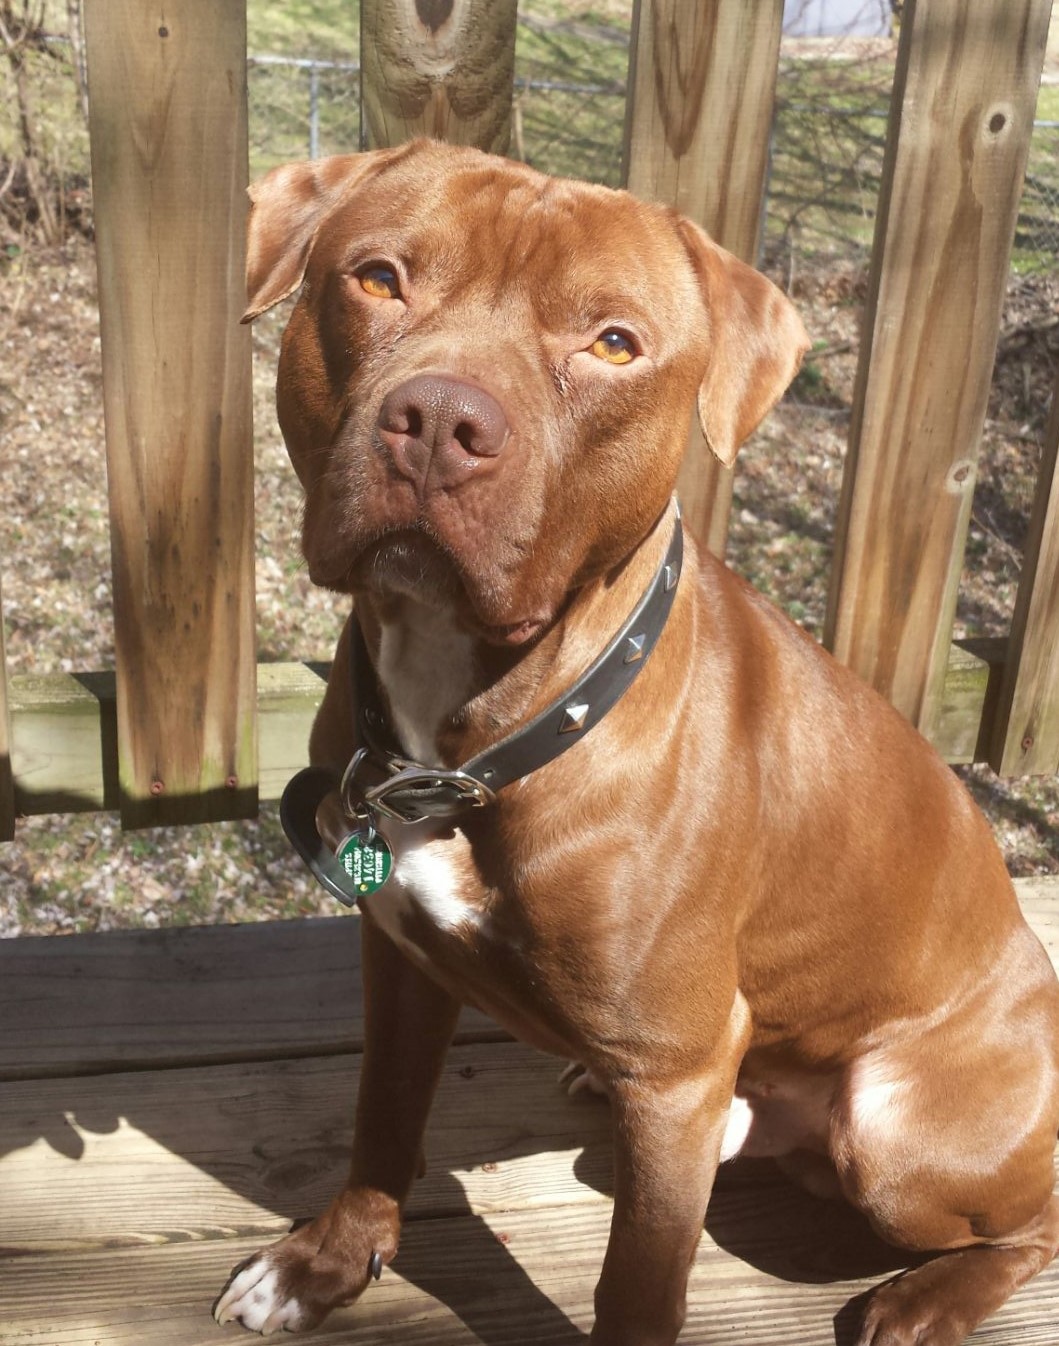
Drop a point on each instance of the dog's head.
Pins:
(486, 380)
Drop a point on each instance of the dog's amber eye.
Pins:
(614, 347)
(380, 282)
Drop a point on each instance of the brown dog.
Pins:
(750, 899)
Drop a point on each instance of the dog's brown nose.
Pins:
(442, 428)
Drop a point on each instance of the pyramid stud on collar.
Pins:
(671, 575)
(573, 719)
(634, 648)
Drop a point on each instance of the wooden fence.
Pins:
(188, 726)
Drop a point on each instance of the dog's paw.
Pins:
(919, 1309)
(324, 1265)
(258, 1297)
(579, 1079)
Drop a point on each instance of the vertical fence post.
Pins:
(1026, 729)
(441, 68)
(7, 780)
(169, 167)
(702, 80)
(961, 116)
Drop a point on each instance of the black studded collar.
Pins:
(381, 782)
(385, 781)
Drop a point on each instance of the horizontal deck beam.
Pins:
(65, 747)
(64, 727)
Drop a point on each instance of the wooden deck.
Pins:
(173, 1099)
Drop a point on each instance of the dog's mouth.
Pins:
(412, 563)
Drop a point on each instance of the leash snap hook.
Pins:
(354, 804)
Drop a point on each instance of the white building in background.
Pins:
(837, 18)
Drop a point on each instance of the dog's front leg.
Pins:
(667, 1141)
(408, 1022)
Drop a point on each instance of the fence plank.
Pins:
(441, 68)
(169, 166)
(1026, 731)
(7, 779)
(962, 113)
(702, 80)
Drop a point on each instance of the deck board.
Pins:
(137, 999)
(455, 1281)
(134, 999)
(169, 1107)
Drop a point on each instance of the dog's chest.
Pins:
(426, 667)
(437, 880)
(468, 937)
(433, 906)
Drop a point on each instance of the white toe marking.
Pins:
(253, 1298)
(258, 1304)
(579, 1079)
(289, 1315)
(241, 1285)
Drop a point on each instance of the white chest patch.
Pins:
(432, 881)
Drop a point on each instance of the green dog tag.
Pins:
(366, 860)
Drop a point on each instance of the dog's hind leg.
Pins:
(942, 1302)
(945, 1141)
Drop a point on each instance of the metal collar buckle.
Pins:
(411, 792)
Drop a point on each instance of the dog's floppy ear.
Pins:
(287, 207)
(756, 343)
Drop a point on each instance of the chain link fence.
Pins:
(1037, 235)
(826, 158)
(44, 156)
(301, 108)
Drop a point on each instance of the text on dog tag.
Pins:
(366, 860)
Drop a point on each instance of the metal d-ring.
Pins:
(375, 1265)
